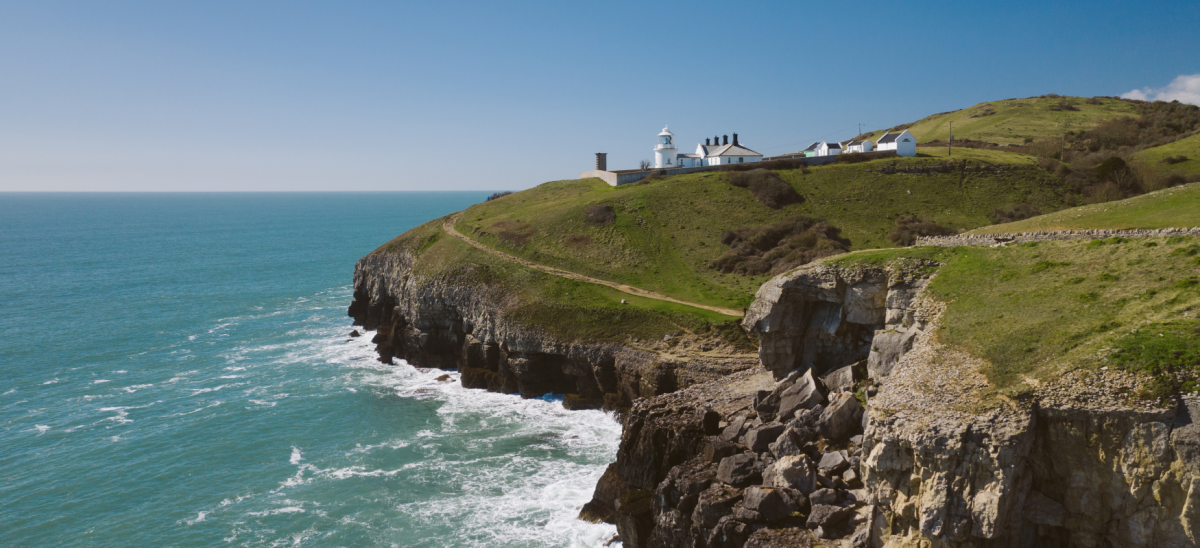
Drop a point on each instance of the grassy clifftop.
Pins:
(1011, 121)
(1174, 207)
(663, 235)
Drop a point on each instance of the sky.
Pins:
(397, 96)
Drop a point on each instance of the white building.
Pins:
(707, 154)
(829, 149)
(860, 146)
(904, 143)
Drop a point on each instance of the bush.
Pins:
(859, 157)
(909, 227)
(1110, 168)
(766, 186)
(1172, 160)
(1094, 101)
(498, 195)
(1063, 105)
(779, 247)
(1014, 212)
(1101, 193)
(599, 214)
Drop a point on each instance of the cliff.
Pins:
(438, 304)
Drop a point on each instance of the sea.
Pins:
(176, 370)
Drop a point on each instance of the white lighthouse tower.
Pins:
(664, 152)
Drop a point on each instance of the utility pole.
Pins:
(950, 142)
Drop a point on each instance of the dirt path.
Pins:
(448, 226)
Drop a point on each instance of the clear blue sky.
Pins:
(236, 95)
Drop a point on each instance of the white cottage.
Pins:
(860, 146)
(712, 153)
(829, 149)
(904, 143)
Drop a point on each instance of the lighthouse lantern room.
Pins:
(665, 152)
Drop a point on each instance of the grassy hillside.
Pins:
(566, 308)
(666, 232)
(1036, 311)
(1011, 121)
(1188, 148)
(1173, 207)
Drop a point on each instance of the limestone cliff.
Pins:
(462, 320)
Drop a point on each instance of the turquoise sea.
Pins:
(175, 370)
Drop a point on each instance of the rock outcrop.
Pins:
(460, 320)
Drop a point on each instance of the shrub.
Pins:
(514, 232)
(1101, 193)
(859, 157)
(766, 186)
(599, 214)
(1014, 212)
(779, 247)
(1110, 167)
(1063, 105)
(1171, 160)
(577, 241)
(1094, 101)
(909, 227)
(500, 194)
(1175, 180)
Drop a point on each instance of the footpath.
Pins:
(448, 226)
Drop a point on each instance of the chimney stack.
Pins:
(726, 140)
(706, 141)
(716, 140)
(735, 140)
(601, 161)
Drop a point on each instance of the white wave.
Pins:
(41, 429)
(297, 456)
(51, 381)
(136, 387)
(197, 410)
(10, 391)
(231, 376)
(101, 381)
(120, 372)
(263, 403)
(235, 368)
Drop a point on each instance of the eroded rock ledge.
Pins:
(458, 321)
(930, 462)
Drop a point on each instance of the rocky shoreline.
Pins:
(853, 427)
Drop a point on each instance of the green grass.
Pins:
(977, 155)
(1035, 311)
(1016, 119)
(668, 231)
(566, 308)
(1189, 148)
(1173, 207)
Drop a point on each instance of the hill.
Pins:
(1173, 207)
(1181, 157)
(1013, 121)
(665, 234)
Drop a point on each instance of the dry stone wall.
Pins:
(1049, 236)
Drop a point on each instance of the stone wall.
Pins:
(1049, 236)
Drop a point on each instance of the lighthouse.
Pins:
(664, 151)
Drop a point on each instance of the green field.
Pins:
(1177, 207)
(1013, 120)
(566, 308)
(1035, 311)
(1188, 148)
(667, 231)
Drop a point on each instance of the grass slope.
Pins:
(667, 231)
(1012, 120)
(1188, 147)
(566, 308)
(1036, 311)
(1172, 207)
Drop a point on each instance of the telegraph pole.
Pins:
(950, 142)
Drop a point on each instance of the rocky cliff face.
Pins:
(460, 321)
(755, 461)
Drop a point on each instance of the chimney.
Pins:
(601, 161)
(735, 139)
(706, 141)
(726, 140)
(716, 140)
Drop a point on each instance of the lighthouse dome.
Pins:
(666, 131)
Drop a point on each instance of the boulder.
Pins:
(792, 441)
(886, 349)
(715, 450)
(759, 439)
(793, 471)
(850, 477)
(832, 464)
(842, 380)
(804, 394)
(739, 470)
(861, 537)
(355, 334)
(825, 496)
(714, 503)
(734, 430)
(771, 503)
(827, 516)
(838, 421)
(728, 533)
(793, 537)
